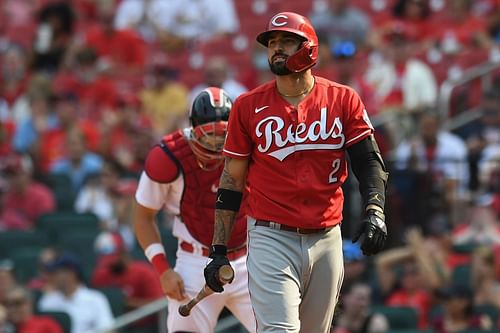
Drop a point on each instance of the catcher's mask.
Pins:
(209, 115)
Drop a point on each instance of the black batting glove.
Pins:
(211, 271)
(372, 232)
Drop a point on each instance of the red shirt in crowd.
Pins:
(35, 201)
(298, 158)
(92, 96)
(124, 47)
(7, 129)
(39, 324)
(419, 300)
(139, 280)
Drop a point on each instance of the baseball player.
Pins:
(182, 175)
(287, 142)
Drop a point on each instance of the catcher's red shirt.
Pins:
(297, 154)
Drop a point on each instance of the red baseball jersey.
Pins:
(297, 154)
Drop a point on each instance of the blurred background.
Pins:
(88, 86)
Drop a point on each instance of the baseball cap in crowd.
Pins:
(66, 261)
(343, 50)
(351, 251)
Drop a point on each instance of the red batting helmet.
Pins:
(209, 115)
(307, 55)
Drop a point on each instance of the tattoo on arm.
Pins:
(224, 219)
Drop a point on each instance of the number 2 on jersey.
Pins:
(336, 168)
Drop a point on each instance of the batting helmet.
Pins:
(209, 115)
(307, 55)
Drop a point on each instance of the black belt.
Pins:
(304, 231)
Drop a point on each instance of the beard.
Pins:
(279, 68)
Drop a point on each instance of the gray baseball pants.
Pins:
(294, 279)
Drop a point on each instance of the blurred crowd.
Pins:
(88, 86)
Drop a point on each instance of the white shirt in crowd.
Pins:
(88, 309)
(190, 19)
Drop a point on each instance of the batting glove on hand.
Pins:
(372, 232)
(211, 271)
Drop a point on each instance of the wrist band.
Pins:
(228, 199)
(156, 256)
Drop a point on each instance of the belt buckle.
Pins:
(300, 231)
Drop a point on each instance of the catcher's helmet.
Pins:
(209, 115)
(307, 55)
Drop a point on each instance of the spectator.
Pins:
(19, 304)
(459, 30)
(15, 76)
(95, 91)
(7, 278)
(109, 196)
(342, 22)
(401, 82)
(42, 120)
(434, 161)
(217, 74)
(458, 313)
(137, 279)
(54, 33)
(123, 51)
(346, 68)
(26, 197)
(355, 265)
(481, 136)
(415, 16)
(494, 25)
(481, 227)
(187, 22)
(485, 282)
(409, 287)
(35, 113)
(52, 144)
(7, 132)
(43, 280)
(356, 315)
(144, 16)
(79, 163)
(164, 99)
(88, 309)
(5, 326)
(122, 129)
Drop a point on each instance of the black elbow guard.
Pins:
(369, 168)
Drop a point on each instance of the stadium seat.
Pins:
(65, 223)
(489, 310)
(461, 276)
(62, 188)
(10, 241)
(116, 299)
(25, 263)
(411, 331)
(82, 245)
(399, 317)
(61, 317)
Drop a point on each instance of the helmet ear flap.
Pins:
(304, 58)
